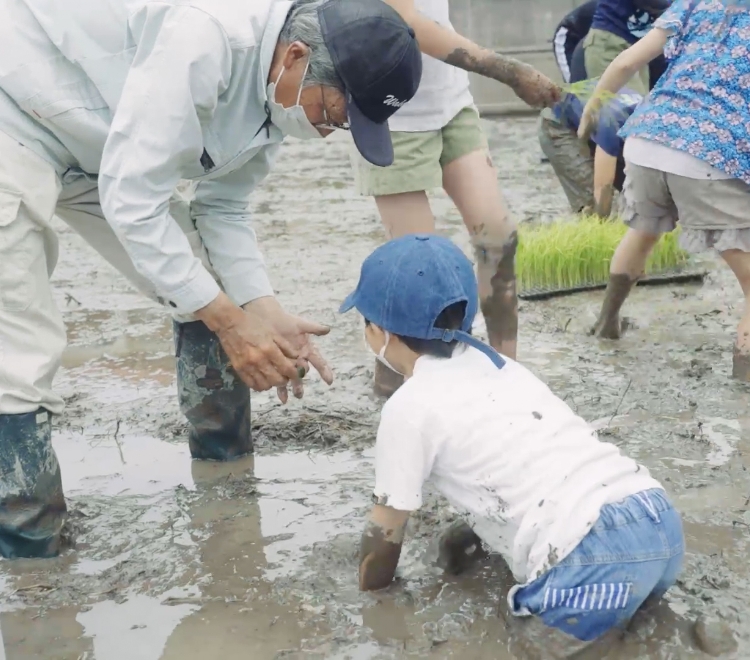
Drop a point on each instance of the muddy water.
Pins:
(257, 559)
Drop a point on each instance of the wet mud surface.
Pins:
(176, 559)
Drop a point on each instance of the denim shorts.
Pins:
(634, 551)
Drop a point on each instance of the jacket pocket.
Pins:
(78, 95)
(15, 254)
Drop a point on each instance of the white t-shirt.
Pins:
(443, 91)
(529, 475)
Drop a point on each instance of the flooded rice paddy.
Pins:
(181, 560)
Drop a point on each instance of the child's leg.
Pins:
(587, 594)
(715, 215)
(739, 262)
(649, 210)
(628, 264)
(399, 192)
(471, 181)
(401, 214)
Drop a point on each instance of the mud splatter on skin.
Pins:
(378, 556)
(528, 83)
(608, 324)
(499, 67)
(603, 207)
(740, 365)
(537, 415)
(500, 308)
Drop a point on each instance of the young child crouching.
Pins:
(587, 532)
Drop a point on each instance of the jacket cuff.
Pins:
(248, 286)
(194, 294)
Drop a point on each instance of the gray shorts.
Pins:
(570, 159)
(713, 213)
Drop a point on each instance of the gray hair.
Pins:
(302, 24)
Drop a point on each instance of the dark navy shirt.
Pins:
(612, 117)
(624, 18)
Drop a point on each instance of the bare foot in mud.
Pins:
(459, 548)
(387, 381)
(610, 328)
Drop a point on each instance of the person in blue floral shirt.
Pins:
(687, 150)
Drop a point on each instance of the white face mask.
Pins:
(291, 121)
(380, 357)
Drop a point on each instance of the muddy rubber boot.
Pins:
(213, 398)
(386, 380)
(32, 505)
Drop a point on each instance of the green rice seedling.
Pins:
(573, 252)
(585, 90)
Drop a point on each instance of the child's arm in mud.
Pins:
(381, 547)
(443, 44)
(623, 68)
(605, 167)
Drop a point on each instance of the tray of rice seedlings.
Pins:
(573, 255)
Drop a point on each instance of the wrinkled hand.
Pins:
(297, 332)
(534, 88)
(260, 356)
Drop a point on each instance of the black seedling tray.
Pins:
(682, 276)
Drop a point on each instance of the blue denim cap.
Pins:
(406, 283)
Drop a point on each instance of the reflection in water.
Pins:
(137, 628)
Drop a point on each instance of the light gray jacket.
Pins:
(144, 93)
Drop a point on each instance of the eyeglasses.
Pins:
(328, 124)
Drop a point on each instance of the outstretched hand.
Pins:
(534, 88)
(298, 332)
(266, 346)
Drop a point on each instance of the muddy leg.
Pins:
(628, 264)
(739, 262)
(215, 401)
(32, 506)
(497, 291)
(471, 182)
(402, 214)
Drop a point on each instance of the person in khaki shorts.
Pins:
(686, 152)
(438, 141)
(617, 24)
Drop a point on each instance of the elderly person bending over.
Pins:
(687, 151)
(104, 107)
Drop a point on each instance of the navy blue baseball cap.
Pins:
(376, 55)
(406, 283)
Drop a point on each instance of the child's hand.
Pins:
(536, 89)
(589, 118)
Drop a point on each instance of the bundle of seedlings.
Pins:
(573, 254)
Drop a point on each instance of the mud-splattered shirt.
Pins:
(529, 475)
(699, 106)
